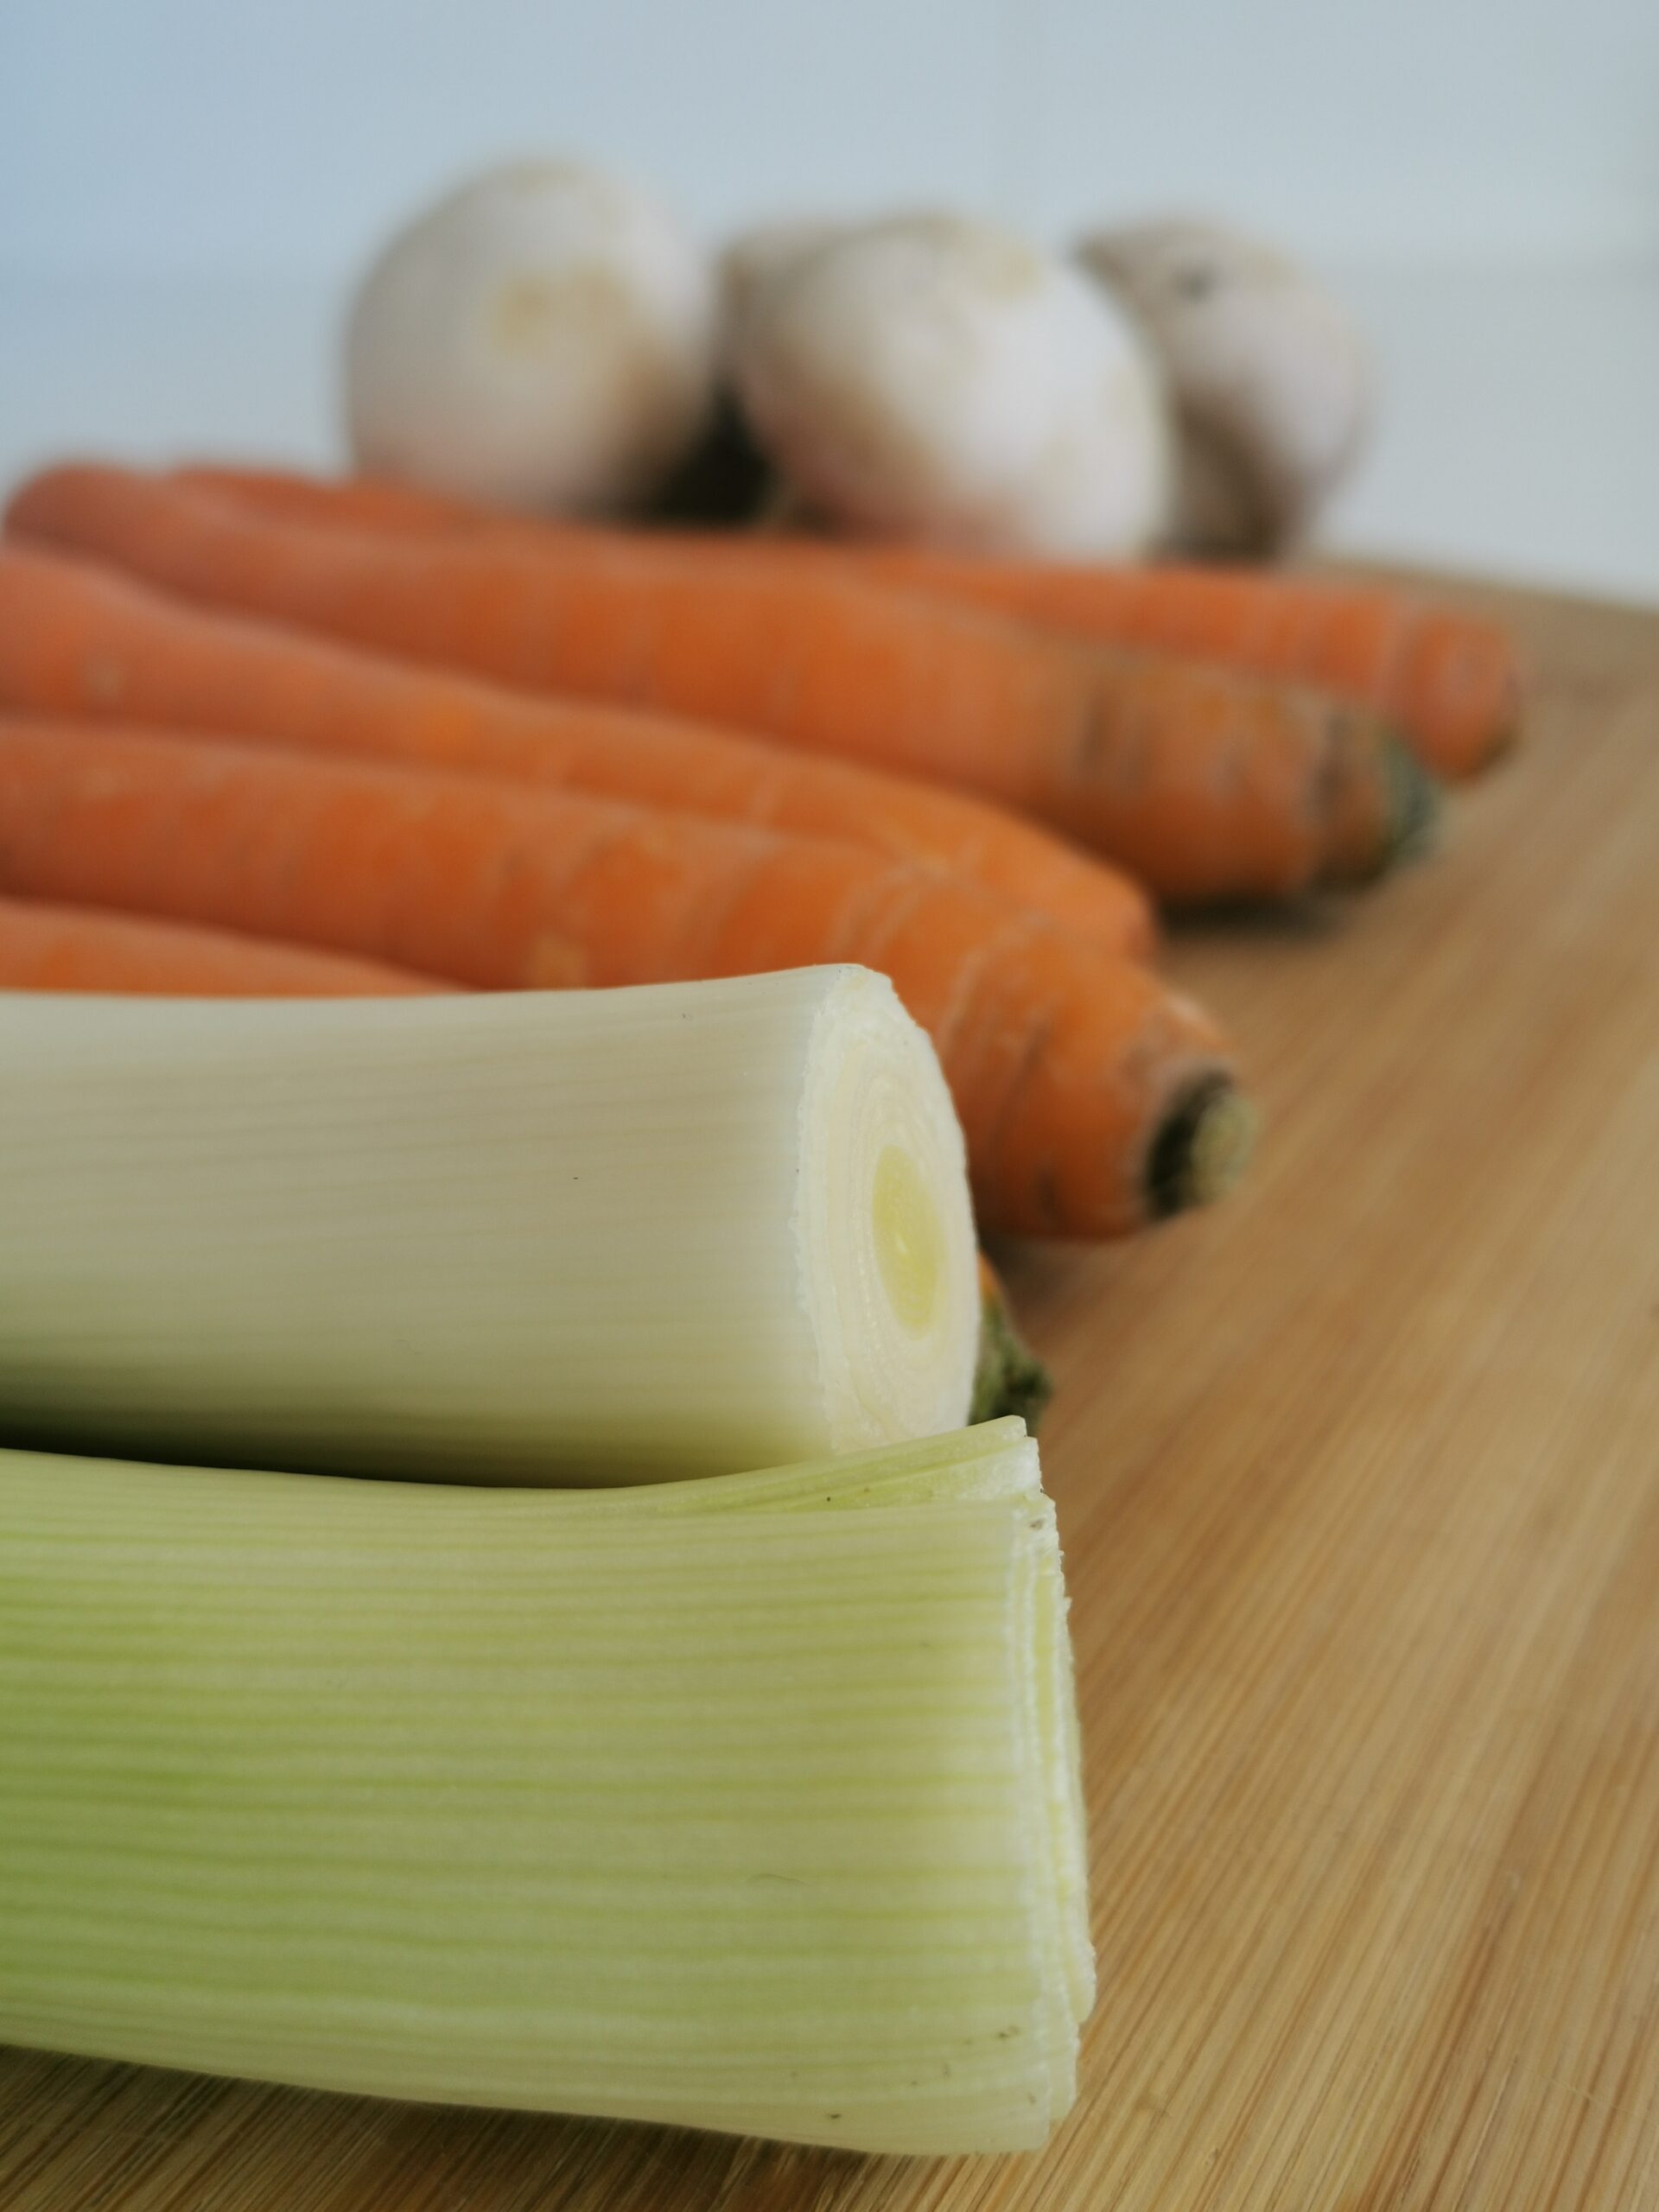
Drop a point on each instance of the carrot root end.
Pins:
(1202, 1148)
(1409, 828)
(1414, 815)
(1010, 1378)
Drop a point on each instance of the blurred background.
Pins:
(187, 188)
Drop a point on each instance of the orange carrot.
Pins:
(1010, 1377)
(1093, 1099)
(49, 948)
(1450, 681)
(354, 502)
(77, 640)
(1205, 784)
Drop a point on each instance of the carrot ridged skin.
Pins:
(79, 639)
(1449, 681)
(1093, 1098)
(1205, 784)
(375, 503)
(52, 948)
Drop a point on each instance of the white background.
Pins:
(187, 185)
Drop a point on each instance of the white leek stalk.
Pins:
(748, 1804)
(594, 1235)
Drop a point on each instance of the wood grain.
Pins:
(1359, 1483)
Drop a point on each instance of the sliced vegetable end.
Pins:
(1414, 815)
(1202, 1148)
(1010, 1378)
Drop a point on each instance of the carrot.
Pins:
(1093, 1099)
(50, 948)
(1450, 681)
(1205, 784)
(354, 502)
(78, 639)
(1010, 1378)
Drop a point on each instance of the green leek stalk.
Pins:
(748, 1804)
(588, 1234)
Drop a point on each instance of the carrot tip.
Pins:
(1010, 1378)
(1504, 738)
(1202, 1148)
(1401, 822)
(1413, 807)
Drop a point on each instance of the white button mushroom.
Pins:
(544, 337)
(726, 480)
(1272, 384)
(755, 258)
(936, 378)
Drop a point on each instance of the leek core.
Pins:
(909, 1242)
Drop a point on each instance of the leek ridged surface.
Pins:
(593, 1235)
(748, 1804)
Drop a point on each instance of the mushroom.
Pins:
(753, 258)
(936, 378)
(1271, 382)
(544, 337)
(726, 480)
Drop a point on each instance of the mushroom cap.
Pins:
(1271, 381)
(937, 378)
(544, 337)
(752, 258)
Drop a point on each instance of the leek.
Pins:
(595, 1234)
(748, 1804)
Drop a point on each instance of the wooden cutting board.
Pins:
(1358, 1481)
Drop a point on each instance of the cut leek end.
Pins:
(584, 1236)
(888, 1249)
(909, 1238)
